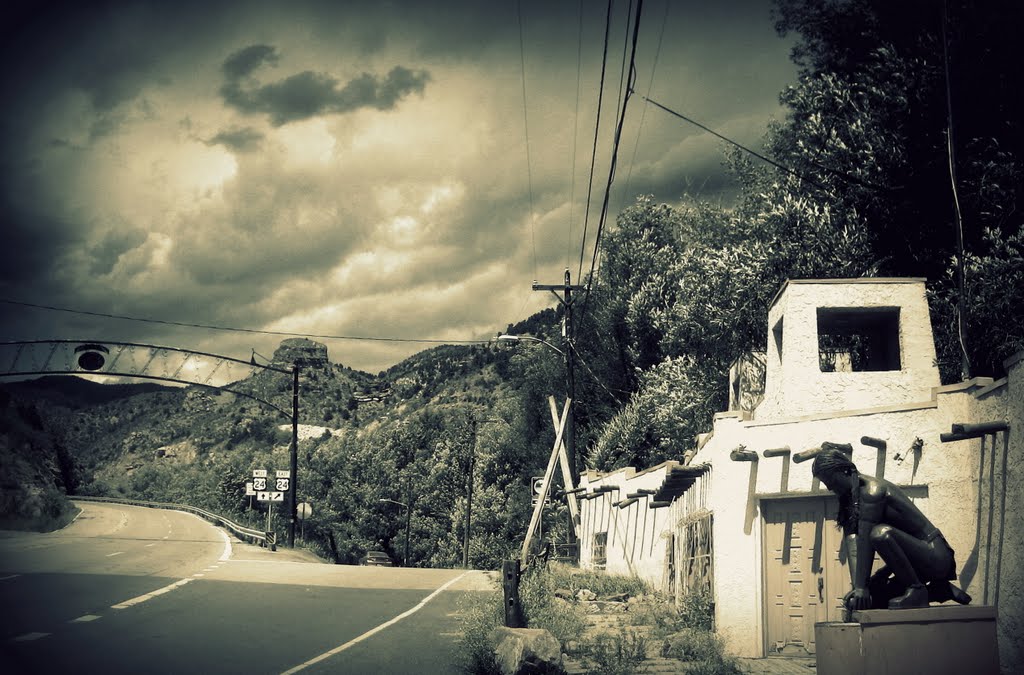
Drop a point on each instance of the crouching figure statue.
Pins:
(876, 516)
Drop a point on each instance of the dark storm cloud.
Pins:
(242, 139)
(308, 94)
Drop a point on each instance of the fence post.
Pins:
(510, 585)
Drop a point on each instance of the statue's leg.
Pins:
(912, 562)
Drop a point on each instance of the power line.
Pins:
(185, 324)
(643, 113)
(597, 127)
(575, 135)
(526, 131)
(615, 153)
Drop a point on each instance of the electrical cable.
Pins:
(526, 131)
(234, 329)
(643, 113)
(614, 155)
(597, 128)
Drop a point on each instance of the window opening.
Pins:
(858, 339)
(600, 549)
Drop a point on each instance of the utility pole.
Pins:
(469, 492)
(293, 494)
(566, 301)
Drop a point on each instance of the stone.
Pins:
(519, 651)
(564, 593)
(586, 595)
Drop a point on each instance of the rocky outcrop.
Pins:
(303, 352)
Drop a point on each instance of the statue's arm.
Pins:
(861, 553)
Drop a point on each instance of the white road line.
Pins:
(85, 618)
(30, 636)
(9, 576)
(153, 544)
(226, 555)
(373, 631)
(111, 555)
(149, 596)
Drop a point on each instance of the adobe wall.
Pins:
(795, 384)
(637, 534)
(947, 474)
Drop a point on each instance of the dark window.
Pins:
(858, 339)
(600, 549)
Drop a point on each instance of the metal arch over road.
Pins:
(152, 362)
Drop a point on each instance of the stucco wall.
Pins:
(637, 534)
(1011, 565)
(947, 474)
(795, 384)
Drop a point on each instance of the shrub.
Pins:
(562, 619)
(620, 654)
(703, 649)
(479, 615)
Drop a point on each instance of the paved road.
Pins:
(133, 590)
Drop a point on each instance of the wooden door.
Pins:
(803, 570)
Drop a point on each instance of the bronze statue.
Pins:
(876, 516)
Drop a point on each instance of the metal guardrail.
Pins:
(256, 536)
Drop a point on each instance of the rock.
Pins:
(564, 593)
(519, 651)
(617, 597)
(303, 352)
(586, 595)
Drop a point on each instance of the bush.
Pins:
(704, 649)
(480, 614)
(608, 654)
(561, 618)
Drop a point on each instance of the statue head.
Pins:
(835, 470)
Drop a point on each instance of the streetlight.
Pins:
(408, 519)
(517, 338)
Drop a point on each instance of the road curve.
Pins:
(127, 589)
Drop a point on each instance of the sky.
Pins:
(393, 175)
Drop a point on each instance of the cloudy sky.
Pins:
(361, 170)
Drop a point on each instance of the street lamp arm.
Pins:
(517, 338)
(392, 501)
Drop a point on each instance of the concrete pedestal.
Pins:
(930, 641)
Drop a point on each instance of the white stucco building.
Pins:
(849, 362)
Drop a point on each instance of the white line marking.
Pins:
(9, 576)
(373, 631)
(30, 636)
(153, 544)
(149, 596)
(84, 618)
(197, 575)
(227, 546)
(111, 555)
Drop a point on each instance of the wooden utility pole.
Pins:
(566, 301)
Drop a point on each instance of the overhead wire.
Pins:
(235, 329)
(643, 112)
(575, 136)
(614, 158)
(597, 129)
(526, 131)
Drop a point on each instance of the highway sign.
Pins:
(282, 484)
(283, 474)
(269, 496)
(259, 473)
(249, 491)
(538, 485)
(259, 483)
(304, 510)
